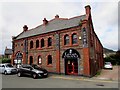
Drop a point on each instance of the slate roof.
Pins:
(52, 25)
(8, 51)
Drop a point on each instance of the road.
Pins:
(12, 81)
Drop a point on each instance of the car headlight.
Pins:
(8, 70)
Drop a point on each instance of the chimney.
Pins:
(45, 21)
(88, 9)
(25, 28)
(57, 16)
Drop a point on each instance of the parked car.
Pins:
(7, 68)
(32, 70)
(108, 65)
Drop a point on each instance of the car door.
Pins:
(27, 70)
(30, 70)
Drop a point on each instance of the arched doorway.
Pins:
(18, 59)
(31, 60)
(71, 57)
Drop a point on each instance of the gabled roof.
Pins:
(52, 25)
(8, 51)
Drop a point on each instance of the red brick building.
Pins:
(61, 45)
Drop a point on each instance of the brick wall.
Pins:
(90, 61)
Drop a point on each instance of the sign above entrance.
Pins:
(19, 56)
(70, 54)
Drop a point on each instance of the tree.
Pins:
(114, 58)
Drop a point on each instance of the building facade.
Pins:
(61, 45)
(8, 53)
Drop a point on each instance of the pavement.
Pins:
(109, 74)
(106, 75)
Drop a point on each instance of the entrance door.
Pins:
(71, 57)
(72, 67)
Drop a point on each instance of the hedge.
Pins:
(5, 60)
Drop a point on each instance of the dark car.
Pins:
(32, 70)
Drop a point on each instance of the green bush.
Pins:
(5, 60)
(114, 59)
(98, 73)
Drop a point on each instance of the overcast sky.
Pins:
(15, 14)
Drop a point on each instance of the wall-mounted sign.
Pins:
(57, 37)
(70, 54)
(84, 37)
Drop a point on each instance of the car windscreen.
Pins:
(107, 63)
(35, 67)
(9, 65)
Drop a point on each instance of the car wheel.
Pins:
(45, 76)
(5, 72)
(19, 74)
(34, 76)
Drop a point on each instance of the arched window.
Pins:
(49, 59)
(37, 43)
(66, 39)
(31, 44)
(49, 41)
(42, 43)
(74, 38)
(31, 60)
(39, 60)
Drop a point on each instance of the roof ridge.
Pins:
(8, 49)
(52, 26)
(35, 27)
(48, 21)
(20, 34)
(58, 19)
(77, 16)
(32, 29)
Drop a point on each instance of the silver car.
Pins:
(108, 65)
(7, 68)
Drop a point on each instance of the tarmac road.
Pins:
(53, 81)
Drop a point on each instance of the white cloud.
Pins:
(105, 20)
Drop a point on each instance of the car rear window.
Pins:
(107, 63)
